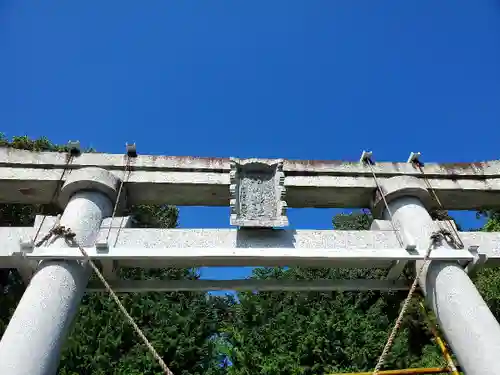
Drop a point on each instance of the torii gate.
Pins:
(258, 191)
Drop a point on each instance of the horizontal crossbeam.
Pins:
(29, 177)
(158, 248)
(233, 257)
(127, 286)
(20, 158)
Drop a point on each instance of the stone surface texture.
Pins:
(31, 177)
(257, 194)
(129, 246)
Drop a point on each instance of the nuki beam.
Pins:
(158, 248)
(357, 285)
(253, 257)
(32, 177)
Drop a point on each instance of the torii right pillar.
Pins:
(468, 324)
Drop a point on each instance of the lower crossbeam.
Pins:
(127, 286)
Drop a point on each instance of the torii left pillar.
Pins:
(32, 342)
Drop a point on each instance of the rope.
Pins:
(370, 163)
(69, 160)
(434, 238)
(58, 230)
(115, 208)
(434, 194)
(69, 236)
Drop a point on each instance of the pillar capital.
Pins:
(93, 179)
(400, 186)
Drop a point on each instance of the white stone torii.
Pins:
(32, 341)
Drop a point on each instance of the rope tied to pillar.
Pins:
(70, 237)
(69, 159)
(434, 240)
(418, 164)
(368, 161)
(60, 231)
(127, 171)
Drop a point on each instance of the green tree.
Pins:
(181, 326)
(488, 279)
(316, 332)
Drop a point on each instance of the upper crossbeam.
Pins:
(32, 177)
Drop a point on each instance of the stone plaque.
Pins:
(257, 193)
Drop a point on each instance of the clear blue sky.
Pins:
(318, 79)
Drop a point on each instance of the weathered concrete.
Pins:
(233, 257)
(35, 186)
(20, 158)
(470, 328)
(36, 332)
(28, 177)
(93, 179)
(153, 248)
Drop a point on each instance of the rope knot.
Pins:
(66, 233)
(436, 236)
(62, 231)
(58, 231)
(442, 234)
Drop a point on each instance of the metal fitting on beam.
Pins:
(25, 267)
(74, 148)
(26, 245)
(414, 158)
(478, 261)
(398, 266)
(102, 246)
(408, 241)
(366, 157)
(131, 150)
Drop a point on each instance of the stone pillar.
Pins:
(469, 326)
(33, 339)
